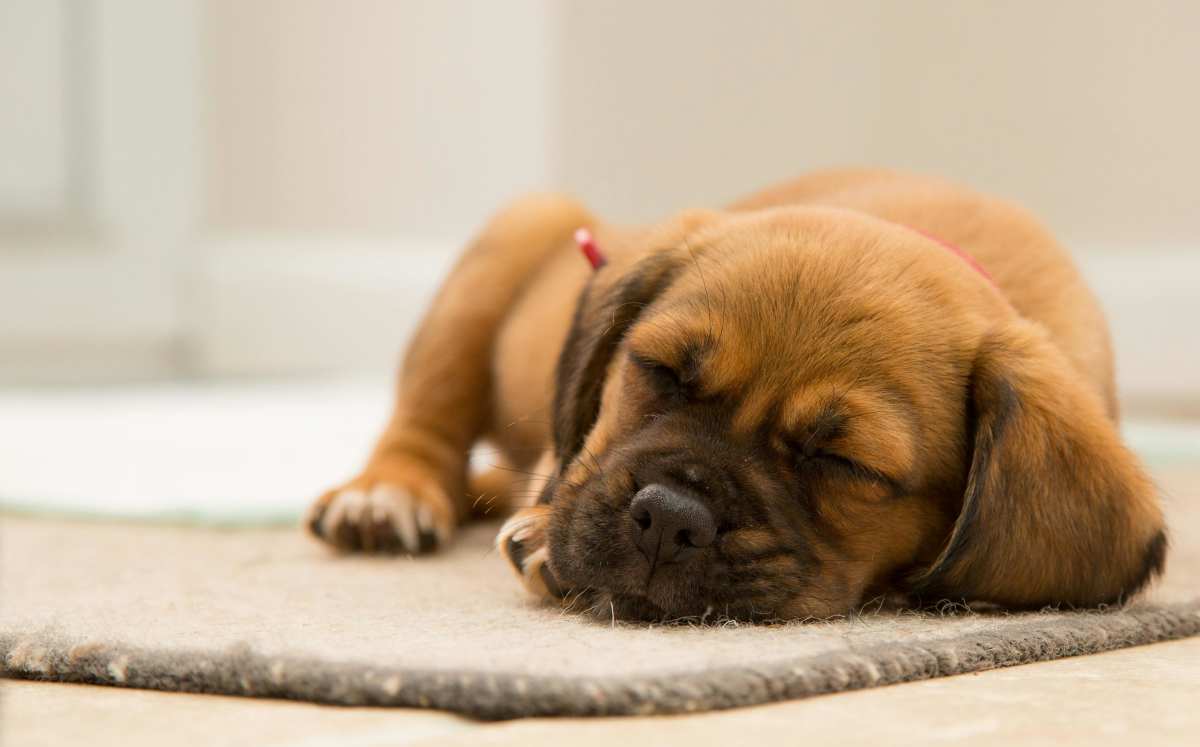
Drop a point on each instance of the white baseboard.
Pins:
(348, 307)
(1152, 301)
(267, 307)
(85, 316)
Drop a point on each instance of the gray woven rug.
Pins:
(269, 613)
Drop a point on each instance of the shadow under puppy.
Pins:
(857, 383)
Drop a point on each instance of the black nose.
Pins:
(670, 526)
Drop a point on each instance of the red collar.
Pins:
(587, 244)
(962, 254)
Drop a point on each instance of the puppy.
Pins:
(855, 384)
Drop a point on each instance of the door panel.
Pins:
(99, 184)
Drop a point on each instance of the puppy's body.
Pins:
(823, 313)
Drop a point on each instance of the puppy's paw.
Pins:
(522, 541)
(386, 511)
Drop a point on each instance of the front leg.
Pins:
(523, 539)
(523, 542)
(412, 494)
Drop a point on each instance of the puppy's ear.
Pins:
(608, 307)
(1056, 509)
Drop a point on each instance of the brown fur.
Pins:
(863, 411)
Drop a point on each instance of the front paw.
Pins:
(386, 511)
(522, 541)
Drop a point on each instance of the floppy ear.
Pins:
(606, 310)
(1056, 510)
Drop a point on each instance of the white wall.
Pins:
(34, 139)
(376, 117)
(670, 104)
(420, 116)
(1084, 110)
(99, 198)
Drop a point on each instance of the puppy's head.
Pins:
(786, 413)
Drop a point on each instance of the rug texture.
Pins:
(267, 612)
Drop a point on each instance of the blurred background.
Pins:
(239, 198)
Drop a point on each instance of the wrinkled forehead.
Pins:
(767, 314)
(787, 338)
(792, 390)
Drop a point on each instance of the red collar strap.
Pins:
(587, 245)
(957, 251)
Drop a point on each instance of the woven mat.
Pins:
(267, 612)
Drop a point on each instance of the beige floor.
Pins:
(1143, 696)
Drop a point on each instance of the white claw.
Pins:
(355, 505)
(519, 527)
(335, 514)
(442, 532)
(400, 508)
(532, 566)
(425, 519)
(429, 524)
(381, 512)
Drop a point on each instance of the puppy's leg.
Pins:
(412, 493)
(522, 541)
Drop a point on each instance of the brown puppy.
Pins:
(779, 410)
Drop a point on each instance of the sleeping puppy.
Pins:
(855, 384)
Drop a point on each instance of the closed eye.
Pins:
(809, 456)
(840, 461)
(665, 379)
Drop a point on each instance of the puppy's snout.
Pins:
(670, 526)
